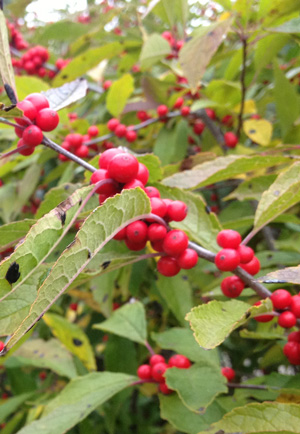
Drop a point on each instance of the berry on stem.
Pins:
(187, 259)
(227, 259)
(156, 358)
(229, 239)
(168, 266)
(123, 167)
(229, 373)
(281, 299)
(287, 319)
(158, 371)
(144, 372)
(232, 286)
(32, 135)
(179, 361)
(47, 119)
(175, 242)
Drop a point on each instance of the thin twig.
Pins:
(149, 348)
(243, 86)
(213, 128)
(252, 386)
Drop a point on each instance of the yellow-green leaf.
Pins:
(259, 131)
(118, 94)
(154, 49)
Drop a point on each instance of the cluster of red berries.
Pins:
(155, 371)
(232, 255)
(176, 45)
(121, 171)
(37, 117)
(75, 143)
(121, 131)
(16, 38)
(33, 60)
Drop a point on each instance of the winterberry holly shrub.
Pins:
(149, 218)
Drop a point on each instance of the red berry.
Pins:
(287, 319)
(163, 388)
(107, 156)
(32, 135)
(252, 267)
(143, 174)
(121, 235)
(142, 115)
(156, 232)
(112, 124)
(230, 139)
(158, 371)
(135, 247)
(73, 306)
(262, 318)
(101, 175)
(137, 232)
(120, 130)
(29, 111)
(175, 242)
(93, 131)
(227, 120)
(2, 345)
(281, 299)
(38, 100)
(177, 211)
(187, 259)
(123, 167)
(168, 266)
(26, 151)
(107, 84)
(131, 136)
(157, 245)
(158, 206)
(19, 132)
(179, 361)
(152, 192)
(185, 111)
(292, 352)
(294, 337)
(210, 113)
(47, 119)
(246, 254)
(227, 259)
(199, 127)
(295, 305)
(144, 372)
(162, 110)
(178, 103)
(133, 184)
(229, 373)
(156, 358)
(75, 140)
(43, 375)
(229, 239)
(232, 286)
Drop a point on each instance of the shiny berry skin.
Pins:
(39, 101)
(162, 110)
(294, 337)
(158, 206)
(158, 246)
(292, 351)
(252, 267)
(177, 211)
(156, 232)
(142, 115)
(232, 286)
(175, 242)
(178, 103)
(107, 156)
(123, 167)
(287, 319)
(73, 306)
(101, 175)
(144, 372)
(210, 113)
(229, 373)
(229, 239)
(295, 305)
(185, 111)
(230, 140)
(82, 151)
(158, 371)
(120, 130)
(112, 124)
(152, 192)
(199, 127)
(131, 136)
(156, 358)
(19, 132)
(168, 266)
(262, 318)
(135, 247)
(29, 111)
(121, 235)
(227, 259)
(75, 140)
(179, 361)
(93, 131)
(281, 299)
(137, 232)
(47, 119)
(32, 135)
(143, 173)
(246, 254)
(2, 345)
(187, 259)
(26, 151)
(163, 388)
(133, 184)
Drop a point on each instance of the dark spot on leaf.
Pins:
(207, 209)
(77, 342)
(89, 405)
(252, 131)
(80, 202)
(269, 257)
(105, 298)
(223, 310)
(64, 76)
(105, 264)
(250, 186)
(67, 187)
(89, 254)
(13, 273)
(247, 315)
(63, 218)
(184, 278)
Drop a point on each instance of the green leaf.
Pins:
(267, 48)
(128, 321)
(182, 341)
(291, 26)
(44, 354)
(6, 69)
(184, 420)
(214, 321)
(272, 417)
(281, 195)
(203, 228)
(154, 49)
(12, 404)
(77, 400)
(118, 94)
(224, 93)
(97, 230)
(177, 293)
(73, 338)
(67, 94)
(220, 169)
(252, 189)
(86, 61)
(54, 197)
(153, 164)
(196, 54)
(171, 145)
(11, 233)
(189, 382)
(284, 91)
(26, 85)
